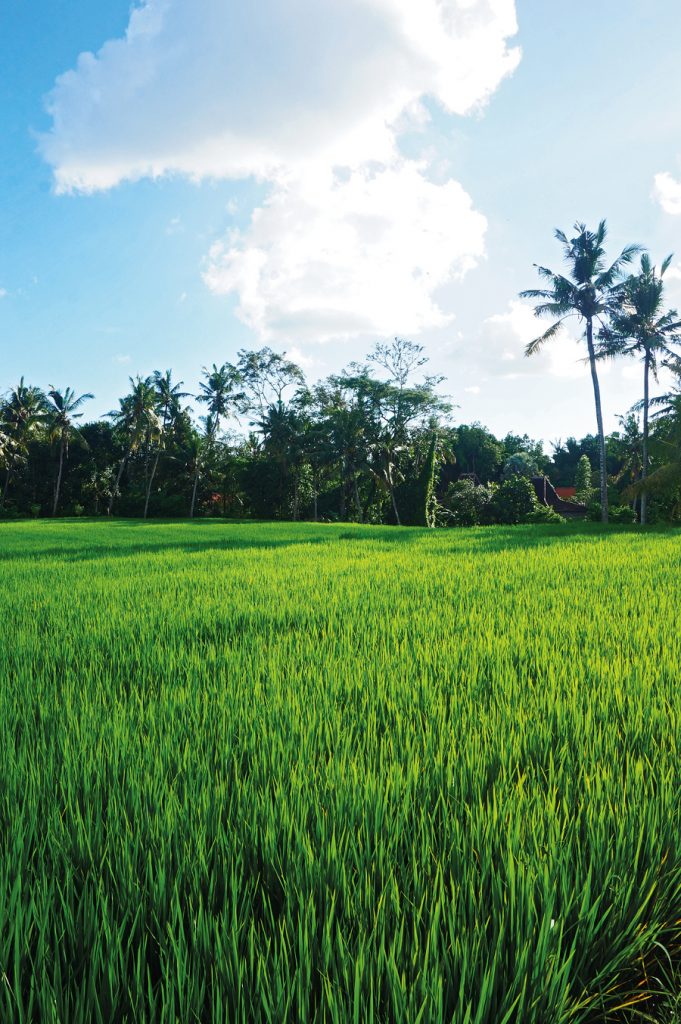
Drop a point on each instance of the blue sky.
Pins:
(319, 176)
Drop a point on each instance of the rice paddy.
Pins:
(287, 772)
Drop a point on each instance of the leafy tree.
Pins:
(520, 464)
(62, 411)
(591, 292)
(583, 481)
(514, 444)
(476, 450)
(265, 376)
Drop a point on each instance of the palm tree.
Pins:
(137, 418)
(218, 393)
(198, 447)
(591, 292)
(642, 327)
(667, 437)
(168, 402)
(60, 426)
(23, 413)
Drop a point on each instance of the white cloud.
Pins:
(667, 191)
(474, 390)
(223, 88)
(509, 333)
(3, 293)
(330, 256)
(122, 359)
(311, 98)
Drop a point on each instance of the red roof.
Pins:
(566, 492)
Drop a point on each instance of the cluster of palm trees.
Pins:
(29, 408)
(355, 445)
(622, 314)
(354, 435)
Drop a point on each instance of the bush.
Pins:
(464, 503)
(544, 514)
(513, 501)
(622, 514)
(616, 513)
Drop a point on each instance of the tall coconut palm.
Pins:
(168, 403)
(591, 292)
(218, 391)
(198, 448)
(62, 411)
(23, 414)
(642, 327)
(138, 420)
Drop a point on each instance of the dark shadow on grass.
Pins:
(252, 535)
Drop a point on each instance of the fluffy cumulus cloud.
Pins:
(309, 97)
(667, 191)
(224, 88)
(333, 255)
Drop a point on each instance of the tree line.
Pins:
(374, 443)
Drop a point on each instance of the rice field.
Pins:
(298, 773)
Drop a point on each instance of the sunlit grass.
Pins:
(270, 772)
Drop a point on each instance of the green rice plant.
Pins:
(294, 772)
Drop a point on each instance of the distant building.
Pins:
(556, 498)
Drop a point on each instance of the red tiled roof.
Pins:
(566, 492)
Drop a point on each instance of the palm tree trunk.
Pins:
(358, 503)
(4, 489)
(296, 496)
(59, 473)
(114, 492)
(194, 489)
(646, 403)
(151, 481)
(599, 421)
(392, 498)
(343, 477)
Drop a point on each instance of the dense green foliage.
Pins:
(352, 448)
(270, 772)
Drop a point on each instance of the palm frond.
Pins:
(536, 345)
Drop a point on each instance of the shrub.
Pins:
(465, 503)
(544, 514)
(616, 513)
(513, 500)
(622, 514)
